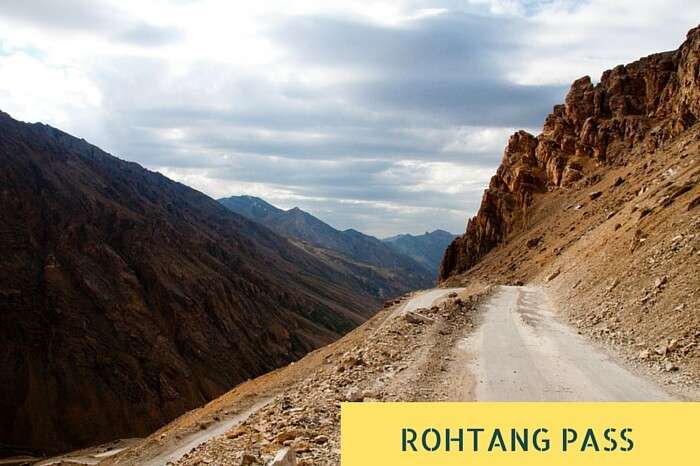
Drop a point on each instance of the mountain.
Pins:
(596, 221)
(426, 249)
(602, 210)
(386, 272)
(127, 298)
(642, 105)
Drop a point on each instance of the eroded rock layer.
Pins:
(646, 103)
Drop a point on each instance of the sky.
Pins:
(386, 117)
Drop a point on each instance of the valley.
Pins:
(143, 322)
(384, 271)
(127, 294)
(576, 280)
(453, 344)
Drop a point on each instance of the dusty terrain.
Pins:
(624, 268)
(392, 357)
(464, 344)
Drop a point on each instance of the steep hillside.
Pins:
(604, 207)
(386, 272)
(426, 249)
(127, 298)
(644, 104)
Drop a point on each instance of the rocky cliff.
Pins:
(127, 298)
(642, 104)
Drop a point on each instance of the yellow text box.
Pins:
(541, 434)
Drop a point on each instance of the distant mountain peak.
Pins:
(426, 249)
(354, 246)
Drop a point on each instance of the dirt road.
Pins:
(522, 352)
(186, 444)
(427, 299)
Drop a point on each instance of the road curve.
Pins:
(521, 352)
(427, 299)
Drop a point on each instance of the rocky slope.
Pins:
(426, 249)
(389, 358)
(603, 208)
(127, 298)
(644, 104)
(385, 272)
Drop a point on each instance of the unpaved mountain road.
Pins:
(506, 346)
(186, 444)
(522, 352)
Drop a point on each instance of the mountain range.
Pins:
(386, 271)
(577, 279)
(426, 249)
(580, 270)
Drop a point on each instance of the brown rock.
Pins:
(354, 395)
(284, 457)
(670, 367)
(416, 318)
(289, 435)
(249, 460)
(553, 275)
(660, 282)
(645, 102)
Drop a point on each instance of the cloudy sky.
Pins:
(386, 117)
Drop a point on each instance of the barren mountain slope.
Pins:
(604, 207)
(127, 298)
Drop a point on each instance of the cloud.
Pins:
(89, 17)
(384, 117)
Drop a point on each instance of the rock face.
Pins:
(645, 103)
(127, 298)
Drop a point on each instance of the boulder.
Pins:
(415, 318)
(248, 460)
(670, 367)
(284, 457)
(553, 275)
(353, 395)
